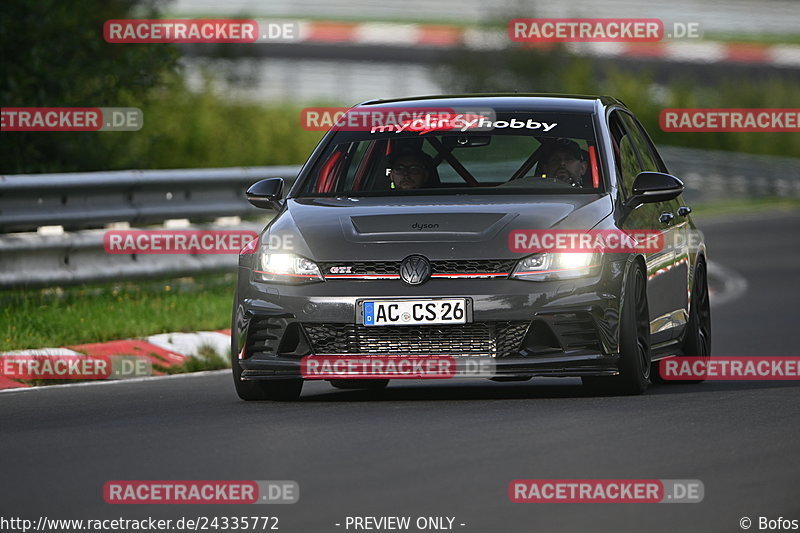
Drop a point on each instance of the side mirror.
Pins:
(266, 194)
(649, 187)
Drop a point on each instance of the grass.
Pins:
(77, 315)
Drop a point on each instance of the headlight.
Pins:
(286, 268)
(557, 266)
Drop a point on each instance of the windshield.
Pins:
(519, 153)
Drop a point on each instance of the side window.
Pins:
(624, 153)
(647, 155)
(641, 156)
(356, 162)
(661, 166)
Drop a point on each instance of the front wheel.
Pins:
(634, 342)
(697, 339)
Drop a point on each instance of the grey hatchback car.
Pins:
(414, 240)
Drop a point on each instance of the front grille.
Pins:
(493, 339)
(363, 268)
(471, 266)
(458, 266)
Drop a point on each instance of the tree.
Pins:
(54, 55)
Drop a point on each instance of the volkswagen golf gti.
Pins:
(500, 236)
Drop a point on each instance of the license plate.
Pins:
(414, 312)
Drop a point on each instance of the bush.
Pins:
(199, 130)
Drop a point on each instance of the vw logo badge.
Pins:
(415, 269)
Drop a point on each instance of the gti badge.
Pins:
(415, 269)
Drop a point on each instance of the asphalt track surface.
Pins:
(447, 450)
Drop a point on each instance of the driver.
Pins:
(566, 162)
(410, 170)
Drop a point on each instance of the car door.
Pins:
(676, 240)
(635, 156)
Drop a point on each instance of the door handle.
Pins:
(684, 210)
(666, 218)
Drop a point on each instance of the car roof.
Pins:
(504, 102)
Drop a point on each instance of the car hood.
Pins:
(438, 227)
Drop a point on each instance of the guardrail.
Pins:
(84, 204)
(93, 199)
(33, 260)
(713, 175)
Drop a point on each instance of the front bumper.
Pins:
(572, 365)
(564, 328)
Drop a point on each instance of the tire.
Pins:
(634, 342)
(697, 339)
(269, 389)
(351, 384)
